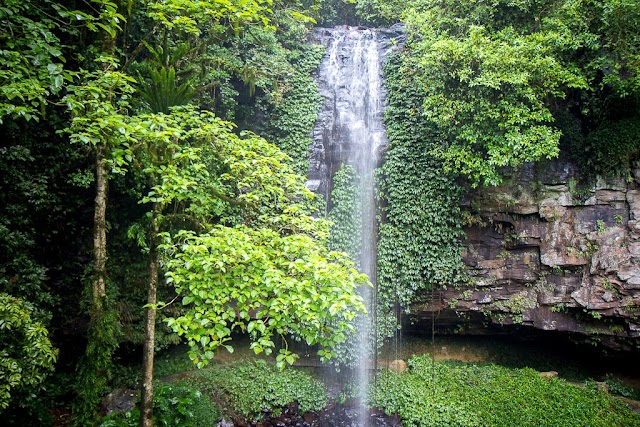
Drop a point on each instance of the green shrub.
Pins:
(618, 388)
(612, 147)
(173, 405)
(251, 388)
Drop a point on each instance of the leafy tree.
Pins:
(488, 80)
(31, 59)
(100, 121)
(495, 74)
(175, 177)
(266, 261)
(26, 354)
(264, 283)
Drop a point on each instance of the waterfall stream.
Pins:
(350, 131)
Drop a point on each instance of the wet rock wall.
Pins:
(552, 252)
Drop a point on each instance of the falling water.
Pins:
(350, 131)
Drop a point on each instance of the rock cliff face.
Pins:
(546, 251)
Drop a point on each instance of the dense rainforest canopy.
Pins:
(139, 205)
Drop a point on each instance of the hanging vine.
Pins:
(419, 238)
(292, 117)
(345, 234)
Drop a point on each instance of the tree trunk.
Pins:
(98, 283)
(94, 367)
(146, 401)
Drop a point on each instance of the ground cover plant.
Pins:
(430, 393)
(457, 394)
(252, 388)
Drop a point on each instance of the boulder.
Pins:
(398, 366)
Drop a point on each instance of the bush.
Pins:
(251, 388)
(173, 405)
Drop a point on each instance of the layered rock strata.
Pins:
(547, 251)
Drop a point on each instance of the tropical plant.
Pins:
(26, 354)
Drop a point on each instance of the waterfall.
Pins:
(350, 131)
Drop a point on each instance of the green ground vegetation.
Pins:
(456, 394)
(430, 393)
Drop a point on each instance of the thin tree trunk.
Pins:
(146, 401)
(98, 284)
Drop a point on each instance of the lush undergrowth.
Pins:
(464, 395)
(251, 388)
(430, 393)
(237, 391)
(175, 405)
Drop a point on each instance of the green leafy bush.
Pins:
(26, 354)
(617, 387)
(612, 147)
(251, 388)
(174, 405)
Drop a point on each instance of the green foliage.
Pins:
(516, 305)
(380, 12)
(31, 58)
(95, 367)
(174, 405)
(491, 75)
(439, 394)
(418, 246)
(273, 262)
(617, 387)
(99, 105)
(248, 389)
(294, 108)
(101, 16)
(611, 148)
(162, 91)
(192, 18)
(346, 219)
(24, 191)
(486, 85)
(261, 282)
(328, 13)
(26, 354)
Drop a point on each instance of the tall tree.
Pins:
(98, 102)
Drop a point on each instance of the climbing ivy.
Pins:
(345, 234)
(419, 237)
(293, 115)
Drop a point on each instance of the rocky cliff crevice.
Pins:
(547, 251)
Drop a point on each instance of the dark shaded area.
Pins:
(335, 415)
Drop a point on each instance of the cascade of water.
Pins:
(350, 131)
